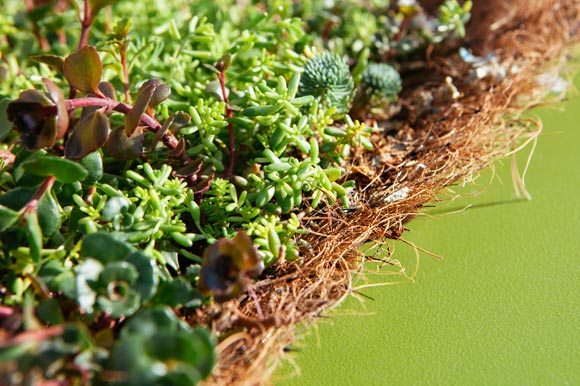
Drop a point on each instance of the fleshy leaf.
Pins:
(62, 169)
(34, 235)
(51, 60)
(47, 209)
(93, 162)
(7, 217)
(104, 247)
(5, 125)
(90, 134)
(142, 100)
(176, 121)
(122, 147)
(83, 69)
(227, 267)
(34, 117)
(57, 96)
(108, 90)
(162, 92)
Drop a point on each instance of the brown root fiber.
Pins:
(418, 153)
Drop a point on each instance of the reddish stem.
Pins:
(229, 114)
(33, 203)
(85, 25)
(402, 29)
(123, 53)
(168, 138)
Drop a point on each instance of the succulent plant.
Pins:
(327, 78)
(382, 81)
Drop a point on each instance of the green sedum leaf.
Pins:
(63, 170)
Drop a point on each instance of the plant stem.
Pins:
(86, 22)
(33, 203)
(229, 114)
(125, 81)
(168, 138)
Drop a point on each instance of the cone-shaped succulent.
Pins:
(327, 78)
(382, 81)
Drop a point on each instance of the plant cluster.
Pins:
(144, 174)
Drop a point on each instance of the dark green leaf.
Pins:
(34, 235)
(48, 311)
(7, 217)
(122, 147)
(146, 284)
(175, 293)
(90, 134)
(62, 169)
(258, 111)
(151, 320)
(47, 209)
(83, 69)
(105, 247)
(5, 124)
(93, 162)
(62, 118)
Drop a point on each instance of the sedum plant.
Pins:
(150, 166)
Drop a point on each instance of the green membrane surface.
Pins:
(501, 308)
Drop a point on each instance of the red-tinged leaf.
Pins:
(228, 266)
(142, 100)
(83, 69)
(224, 62)
(162, 92)
(34, 116)
(50, 60)
(108, 90)
(90, 134)
(174, 122)
(122, 147)
(57, 96)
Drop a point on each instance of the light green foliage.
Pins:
(327, 78)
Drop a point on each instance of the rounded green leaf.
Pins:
(47, 209)
(83, 69)
(90, 134)
(7, 217)
(62, 169)
(93, 162)
(105, 247)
